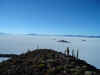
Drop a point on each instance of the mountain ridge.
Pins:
(87, 36)
(35, 34)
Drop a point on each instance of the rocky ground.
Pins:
(46, 62)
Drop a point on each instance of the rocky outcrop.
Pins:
(46, 62)
(63, 41)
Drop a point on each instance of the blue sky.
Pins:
(50, 16)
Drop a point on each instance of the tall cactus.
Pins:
(73, 54)
(77, 54)
(37, 46)
(68, 51)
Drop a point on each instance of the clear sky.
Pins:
(50, 16)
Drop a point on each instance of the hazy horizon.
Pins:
(32, 33)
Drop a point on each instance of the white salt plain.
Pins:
(89, 50)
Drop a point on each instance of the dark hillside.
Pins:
(46, 62)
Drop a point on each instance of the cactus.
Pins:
(68, 51)
(73, 54)
(77, 53)
(37, 46)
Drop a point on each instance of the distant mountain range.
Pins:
(32, 34)
(87, 36)
(2, 33)
(35, 34)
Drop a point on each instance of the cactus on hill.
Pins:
(46, 62)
